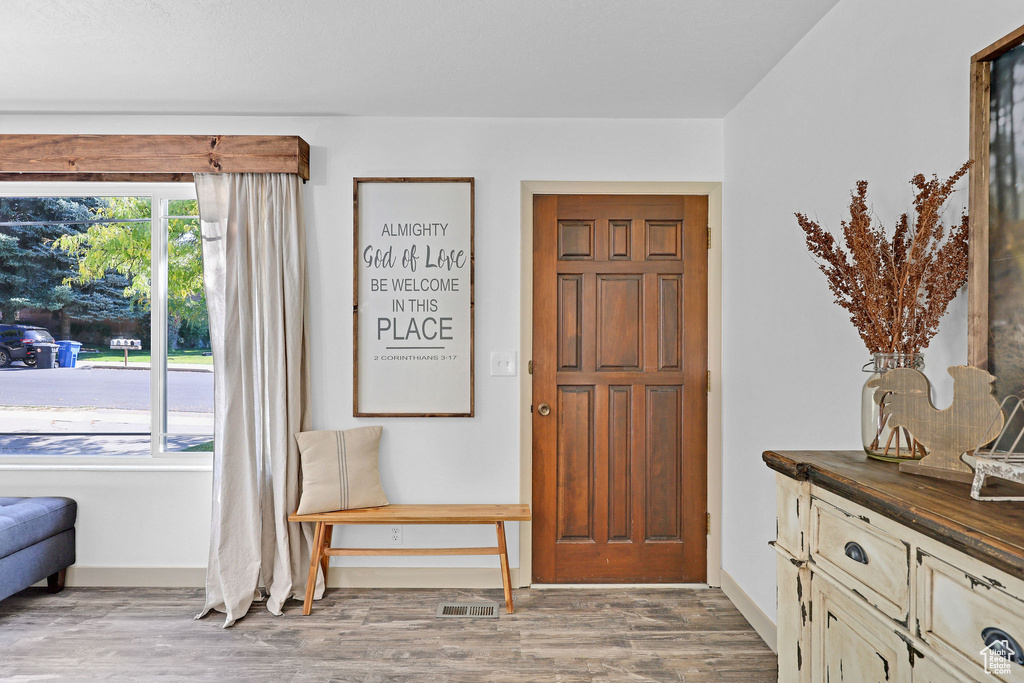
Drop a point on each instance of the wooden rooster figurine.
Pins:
(947, 434)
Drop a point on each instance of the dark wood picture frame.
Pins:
(978, 198)
(356, 265)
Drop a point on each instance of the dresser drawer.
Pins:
(862, 557)
(957, 612)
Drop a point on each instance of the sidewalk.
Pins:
(119, 365)
(48, 431)
(54, 420)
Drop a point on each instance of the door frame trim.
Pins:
(713, 191)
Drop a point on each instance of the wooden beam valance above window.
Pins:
(148, 158)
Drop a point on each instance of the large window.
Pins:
(118, 279)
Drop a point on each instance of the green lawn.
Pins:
(185, 356)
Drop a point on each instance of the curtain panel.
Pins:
(254, 259)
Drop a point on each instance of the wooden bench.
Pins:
(410, 514)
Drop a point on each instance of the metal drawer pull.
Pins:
(1000, 641)
(856, 553)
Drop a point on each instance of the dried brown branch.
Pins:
(895, 290)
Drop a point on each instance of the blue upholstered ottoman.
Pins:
(37, 541)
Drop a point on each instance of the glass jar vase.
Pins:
(880, 440)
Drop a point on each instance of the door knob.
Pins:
(544, 409)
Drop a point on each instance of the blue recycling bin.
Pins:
(67, 357)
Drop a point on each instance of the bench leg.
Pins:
(314, 564)
(506, 575)
(325, 561)
(55, 581)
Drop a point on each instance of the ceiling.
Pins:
(491, 58)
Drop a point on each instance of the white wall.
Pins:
(422, 460)
(878, 90)
(129, 518)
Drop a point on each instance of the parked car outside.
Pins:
(17, 342)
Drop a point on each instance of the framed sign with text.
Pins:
(413, 297)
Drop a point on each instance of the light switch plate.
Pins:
(503, 363)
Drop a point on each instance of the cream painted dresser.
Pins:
(884, 576)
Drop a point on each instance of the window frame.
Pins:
(160, 195)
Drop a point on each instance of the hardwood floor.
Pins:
(146, 634)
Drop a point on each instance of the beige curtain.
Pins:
(254, 259)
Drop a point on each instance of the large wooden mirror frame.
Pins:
(147, 158)
(978, 277)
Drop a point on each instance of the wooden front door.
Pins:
(619, 398)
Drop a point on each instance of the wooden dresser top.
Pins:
(992, 532)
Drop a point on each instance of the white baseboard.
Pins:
(338, 577)
(148, 577)
(764, 626)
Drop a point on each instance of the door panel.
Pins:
(575, 240)
(664, 447)
(619, 321)
(575, 463)
(620, 463)
(620, 236)
(620, 355)
(664, 240)
(670, 337)
(570, 317)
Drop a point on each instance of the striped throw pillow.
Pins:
(339, 470)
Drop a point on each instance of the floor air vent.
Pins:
(468, 610)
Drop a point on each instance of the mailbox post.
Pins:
(127, 345)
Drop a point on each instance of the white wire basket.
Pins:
(1000, 458)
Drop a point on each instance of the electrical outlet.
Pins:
(395, 535)
(503, 363)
